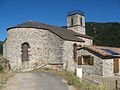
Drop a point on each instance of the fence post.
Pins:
(116, 83)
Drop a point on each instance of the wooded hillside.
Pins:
(107, 34)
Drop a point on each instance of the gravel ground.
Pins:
(36, 81)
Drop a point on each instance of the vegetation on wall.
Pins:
(107, 34)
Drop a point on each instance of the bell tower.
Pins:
(76, 21)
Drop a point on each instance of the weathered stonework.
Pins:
(77, 27)
(48, 46)
(103, 67)
(96, 69)
(44, 47)
(53, 47)
(69, 62)
(108, 67)
(5, 49)
(87, 41)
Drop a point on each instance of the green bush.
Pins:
(1, 68)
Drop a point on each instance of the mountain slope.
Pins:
(107, 34)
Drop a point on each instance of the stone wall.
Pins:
(45, 47)
(77, 27)
(5, 49)
(87, 41)
(68, 55)
(76, 20)
(96, 69)
(108, 67)
(55, 48)
(37, 40)
(103, 67)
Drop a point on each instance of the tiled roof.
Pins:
(65, 34)
(104, 50)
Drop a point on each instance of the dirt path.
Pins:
(36, 81)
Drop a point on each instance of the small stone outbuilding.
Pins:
(99, 60)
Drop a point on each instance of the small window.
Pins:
(75, 52)
(25, 49)
(86, 60)
(71, 21)
(81, 21)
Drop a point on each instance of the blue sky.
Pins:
(54, 12)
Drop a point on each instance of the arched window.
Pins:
(25, 55)
(81, 21)
(75, 52)
(71, 21)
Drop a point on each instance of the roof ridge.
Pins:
(64, 33)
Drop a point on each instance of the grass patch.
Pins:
(4, 76)
(5, 72)
(73, 80)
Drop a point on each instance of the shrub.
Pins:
(4, 76)
(1, 68)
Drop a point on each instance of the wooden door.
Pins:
(116, 65)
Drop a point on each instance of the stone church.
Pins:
(32, 45)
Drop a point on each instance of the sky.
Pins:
(54, 12)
